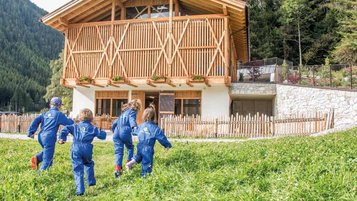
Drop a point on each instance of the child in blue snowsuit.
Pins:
(50, 121)
(82, 148)
(148, 133)
(123, 128)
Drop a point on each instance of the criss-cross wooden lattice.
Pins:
(142, 49)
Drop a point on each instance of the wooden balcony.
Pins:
(137, 50)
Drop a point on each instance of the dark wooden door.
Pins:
(166, 104)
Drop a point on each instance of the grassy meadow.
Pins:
(305, 168)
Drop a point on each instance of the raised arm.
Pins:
(63, 120)
(65, 131)
(101, 134)
(160, 136)
(34, 125)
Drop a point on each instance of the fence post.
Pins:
(351, 78)
(273, 125)
(18, 124)
(216, 127)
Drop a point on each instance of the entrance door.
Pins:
(167, 104)
(164, 103)
(154, 99)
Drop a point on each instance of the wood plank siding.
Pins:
(107, 38)
(140, 48)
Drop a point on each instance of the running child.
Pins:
(82, 148)
(148, 133)
(123, 128)
(50, 121)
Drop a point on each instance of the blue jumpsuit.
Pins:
(123, 127)
(50, 121)
(148, 133)
(82, 151)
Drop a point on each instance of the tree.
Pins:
(346, 49)
(55, 89)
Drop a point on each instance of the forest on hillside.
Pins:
(26, 48)
(328, 28)
(319, 29)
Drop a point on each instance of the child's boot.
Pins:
(117, 171)
(34, 163)
(130, 164)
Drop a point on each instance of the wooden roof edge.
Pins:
(60, 10)
(239, 3)
(69, 5)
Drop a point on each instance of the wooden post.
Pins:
(112, 39)
(177, 8)
(113, 10)
(65, 54)
(123, 10)
(171, 38)
(227, 46)
(216, 127)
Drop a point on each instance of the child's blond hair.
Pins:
(86, 115)
(133, 104)
(149, 113)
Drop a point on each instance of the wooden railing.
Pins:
(258, 126)
(190, 45)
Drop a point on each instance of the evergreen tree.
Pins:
(55, 89)
(27, 46)
(346, 49)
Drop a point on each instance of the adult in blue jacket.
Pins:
(50, 121)
(82, 148)
(148, 133)
(123, 128)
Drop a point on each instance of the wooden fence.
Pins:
(21, 124)
(16, 124)
(258, 126)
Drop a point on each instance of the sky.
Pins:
(50, 5)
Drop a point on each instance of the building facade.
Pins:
(180, 55)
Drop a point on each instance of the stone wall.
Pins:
(252, 89)
(295, 99)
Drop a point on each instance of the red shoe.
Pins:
(117, 172)
(34, 163)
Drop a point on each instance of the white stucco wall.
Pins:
(82, 98)
(294, 99)
(215, 101)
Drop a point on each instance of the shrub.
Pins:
(117, 78)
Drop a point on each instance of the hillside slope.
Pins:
(26, 47)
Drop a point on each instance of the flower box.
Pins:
(84, 80)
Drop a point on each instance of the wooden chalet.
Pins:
(180, 54)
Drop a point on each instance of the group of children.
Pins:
(84, 133)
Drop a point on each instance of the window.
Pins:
(110, 102)
(145, 12)
(160, 11)
(117, 105)
(187, 107)
(140, 12)
(103, 107)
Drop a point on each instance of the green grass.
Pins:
(307, 168)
